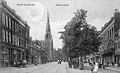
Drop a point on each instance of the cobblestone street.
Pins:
(52, 68)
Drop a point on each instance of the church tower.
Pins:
(48, 40)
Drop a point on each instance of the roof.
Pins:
(24, 23)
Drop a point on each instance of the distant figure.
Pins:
(81, 65)
(92, 68)
(70, 64)
(95, 70)
(24, 63)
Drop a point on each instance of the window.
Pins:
(9, 37)
(112, 32)
(6, 20)
(119, 45)
(26, 44)
(18, 41)
(108, 35)
(9, 22)
(15, 26)
(6, 36)
(13, 38)
(12, 25)
(3, 19)
(21, 42)
(3, 35)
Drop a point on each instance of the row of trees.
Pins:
(79, 37)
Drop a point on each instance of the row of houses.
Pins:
(15, 42)
(36, 53)
(109, 50)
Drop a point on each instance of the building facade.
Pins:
(36, 53)
(117, 38)
(109, 41)
(48, 40)
(14, 36)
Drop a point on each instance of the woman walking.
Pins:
(95, 70)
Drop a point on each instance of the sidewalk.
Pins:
(72, 70)
(12, 69)
(113, 68)
(9, 70)
(30, 65)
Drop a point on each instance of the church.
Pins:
(48, 40)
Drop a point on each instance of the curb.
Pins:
(2, 69)
(112, 70)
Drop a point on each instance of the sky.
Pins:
(60, 12)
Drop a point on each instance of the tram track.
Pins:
(52, 68)
(32, 71)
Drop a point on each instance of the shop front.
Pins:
(15, 55)
(10, 56)
(108, 57)
(117, 60)
(117, 57)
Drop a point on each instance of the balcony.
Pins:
(110, 47)
(109, 51)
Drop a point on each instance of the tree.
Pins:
(79, 38)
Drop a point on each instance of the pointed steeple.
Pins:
(48, 40)
(47, 16)
(48, 34)
(48, 24)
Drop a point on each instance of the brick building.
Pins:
(14, 36)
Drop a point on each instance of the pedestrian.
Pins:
(95, 70)
(18, 63)
(92, 68)
(81, 65)
(24, 63)
(14, 63)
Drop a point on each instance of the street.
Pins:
(52, 68)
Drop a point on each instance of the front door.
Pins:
(11, 55)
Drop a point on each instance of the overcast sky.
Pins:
(99, 13)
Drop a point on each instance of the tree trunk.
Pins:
(81, 63)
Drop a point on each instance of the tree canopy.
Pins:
(79, 38)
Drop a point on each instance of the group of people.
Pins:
(59, 61)
(20, 63)
(94, 66)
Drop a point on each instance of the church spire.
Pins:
(48, 40)
(48, 24)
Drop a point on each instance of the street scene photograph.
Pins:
(59, 36)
